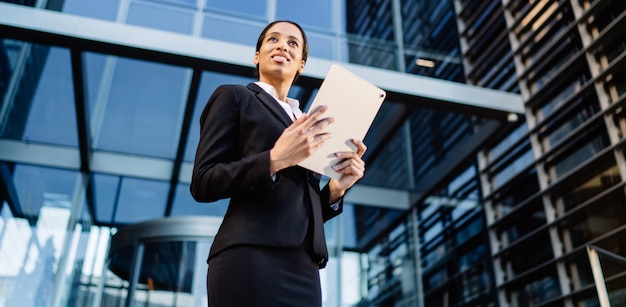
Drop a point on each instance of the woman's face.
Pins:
(280, 54)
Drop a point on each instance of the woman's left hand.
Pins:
(351, 167)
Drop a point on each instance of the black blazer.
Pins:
(238, 127)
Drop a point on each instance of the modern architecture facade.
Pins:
(495, 163)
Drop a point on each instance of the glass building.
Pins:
(495, 164)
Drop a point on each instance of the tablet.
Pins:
(353, 102)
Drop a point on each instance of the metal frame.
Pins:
(598, 276)
(60, 29)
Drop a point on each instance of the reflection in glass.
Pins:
(43, 105)
(538, 290)
(523, 224)
(586, 107)
(583, 151)
(115, 287)
(38, 187)
(167, 274)
(29, 254)
(514, 166)
(159, 263)
(140, 200)
(506, 143)
(588, 185)
(516, 193)
(34, 236)
(371, 38)
(142, 112)
(595, 220)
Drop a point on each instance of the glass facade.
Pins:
(98, 131)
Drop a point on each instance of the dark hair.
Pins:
(305, 43)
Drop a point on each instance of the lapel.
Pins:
(269, 102)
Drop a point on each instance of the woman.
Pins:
(270, 246)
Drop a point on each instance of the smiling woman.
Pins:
(251, 140)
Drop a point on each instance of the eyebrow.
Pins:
(278, 33)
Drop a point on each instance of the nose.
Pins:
(282, 45)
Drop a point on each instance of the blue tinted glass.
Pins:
(316, 14)
(348, 227)
(184, 204)
(41, 186)
(320, 46)
(161, 17)
(231, 31)
(141, 200)
(143, 110)
(255, 8)
(45, 100)
(101, 9)
(94, 77)
(210, 81)
(189, 3)
(104, 194)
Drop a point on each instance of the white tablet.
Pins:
(353, 102)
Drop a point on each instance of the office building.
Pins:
(495, 167)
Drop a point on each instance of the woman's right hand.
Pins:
(301, 139)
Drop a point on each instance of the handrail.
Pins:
(598, 276)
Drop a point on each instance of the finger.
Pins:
(314, 116)
(352, 172)
(320, 139)
(350, 165)
(300, 121)
(360, 147)
(350, 156)
(320, 125)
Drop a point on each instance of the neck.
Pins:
(280, 86)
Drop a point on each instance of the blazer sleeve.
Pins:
(327, 211)
(220, 171)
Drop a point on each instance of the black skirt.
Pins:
(247, 275)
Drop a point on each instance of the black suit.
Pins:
(239, 126)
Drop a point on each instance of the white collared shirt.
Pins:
(291, 106)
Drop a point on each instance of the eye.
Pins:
(293, 43)
(272, 39)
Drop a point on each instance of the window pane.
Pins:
(161, 17)
(142, 113)
(34, 234)
(594, 221)
(538, 290)
(101, 9)
(105, 193)
(43, 105)
(184, 204)
(320, 46)
(582, 153)
(306, 13)
(231, 31)
(251, 8)
(40, 186)
(141, 200)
